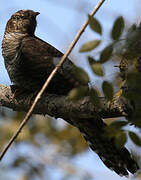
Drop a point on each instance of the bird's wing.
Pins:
(38, 55)
(40, 58)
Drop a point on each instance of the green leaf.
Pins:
(94, 24)
(107, 90)
(89, 46)
(106, 54)
(94, 96)
(135, 138)
(117, 28)
(132, 28)
(121, 139)
(91, 60)
(81, 75)
(78, 93)
(96, 67)
(118, 124)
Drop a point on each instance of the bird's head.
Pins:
(23, 21)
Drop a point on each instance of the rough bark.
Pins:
(60, 107)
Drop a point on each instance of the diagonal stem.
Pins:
(29, 113)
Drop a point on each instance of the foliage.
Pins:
(94, 24)
(117, 28)
(91, 45)
(130, 73)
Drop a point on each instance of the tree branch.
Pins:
(60, 107)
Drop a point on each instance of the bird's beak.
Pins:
(36, 14)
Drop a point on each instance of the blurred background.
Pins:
(48, 148)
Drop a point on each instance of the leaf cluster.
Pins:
(131, 70)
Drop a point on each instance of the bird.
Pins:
(29, 61)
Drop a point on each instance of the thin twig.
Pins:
(29, 113)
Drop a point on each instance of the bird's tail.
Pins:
(116, 159)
